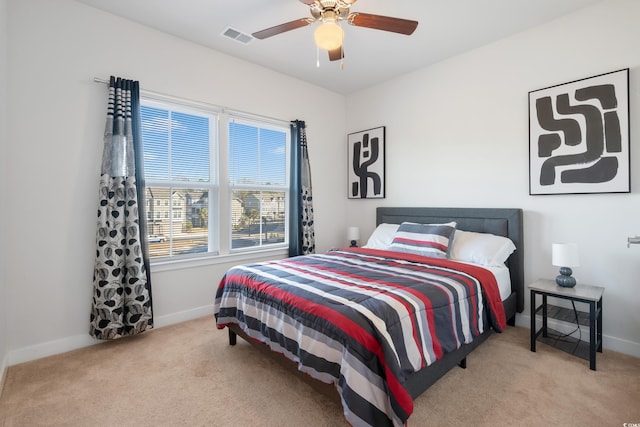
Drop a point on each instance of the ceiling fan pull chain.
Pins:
(342, 52)
(317, 57)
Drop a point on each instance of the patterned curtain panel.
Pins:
(302, 239)
(121, 286)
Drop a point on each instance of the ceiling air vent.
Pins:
(236, 35)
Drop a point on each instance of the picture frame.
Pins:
(579, 136)
(366, 164)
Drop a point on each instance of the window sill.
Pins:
(207, 260)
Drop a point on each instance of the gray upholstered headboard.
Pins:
(499, 221)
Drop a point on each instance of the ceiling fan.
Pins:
(329, 35)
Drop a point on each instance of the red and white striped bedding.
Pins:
(362, 319)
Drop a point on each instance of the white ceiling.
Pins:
(446, 28)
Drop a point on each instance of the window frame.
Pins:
(267, 124)
(219, 186)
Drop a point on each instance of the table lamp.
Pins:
(353, 235)
(565, 256)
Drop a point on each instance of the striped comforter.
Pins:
(362, 319)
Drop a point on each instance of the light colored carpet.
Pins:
(187, 375)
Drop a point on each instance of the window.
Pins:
(198, 210)
(258, 183)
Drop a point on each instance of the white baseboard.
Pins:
(608, 342)
(183, 316)
(3, 373)
(63, 345)
(49, 348)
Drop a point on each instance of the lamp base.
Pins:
(353, 244)
(565, 279)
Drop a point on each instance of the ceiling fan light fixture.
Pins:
(328, 15)
(329, 35)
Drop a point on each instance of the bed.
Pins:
(306, 308)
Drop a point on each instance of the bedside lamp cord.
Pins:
(576, 329)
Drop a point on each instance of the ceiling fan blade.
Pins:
(385, 23)
(269, 32)
(336, 54)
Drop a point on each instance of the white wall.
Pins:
(457, 135)
(56, 122)
(3, 184)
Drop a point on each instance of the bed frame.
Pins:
(499, 221)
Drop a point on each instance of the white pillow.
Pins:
(481, 248)
(382, 236)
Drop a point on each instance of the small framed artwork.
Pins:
(366, 164)
(579, 136)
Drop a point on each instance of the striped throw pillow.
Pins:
(424, 239)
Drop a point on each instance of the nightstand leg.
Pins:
(533, 321)
(599, 322)
(544, 315)
(592, 335)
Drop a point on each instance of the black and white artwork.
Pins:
(366, 164)
(579, 136)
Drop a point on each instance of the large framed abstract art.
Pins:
(579, 136)
(366, 164)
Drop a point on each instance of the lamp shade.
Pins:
(329, 35)
(353, 233)
(564, 255)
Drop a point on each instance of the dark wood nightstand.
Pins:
(591, 295)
